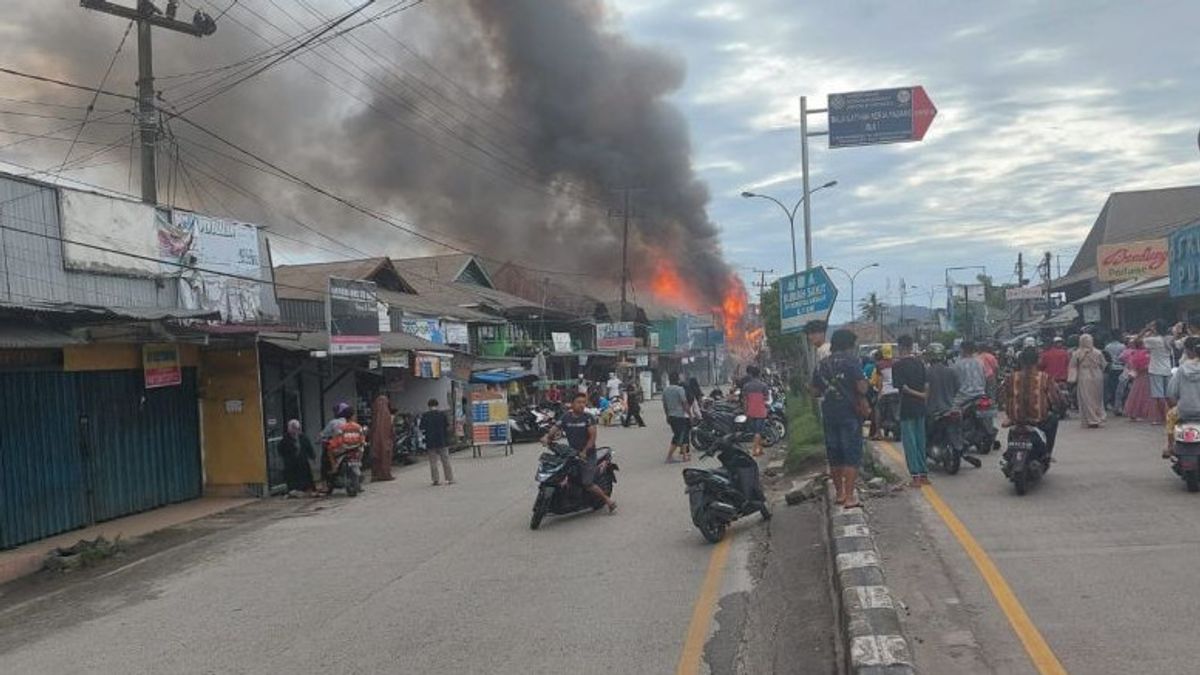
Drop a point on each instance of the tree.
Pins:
(994, 296)
(786, 349)
(871, 309)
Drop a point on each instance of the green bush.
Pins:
(805, 439)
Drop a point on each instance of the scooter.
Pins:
(717, 497)
(945, 445)
(1186, 460)
(560, 490)
(1026, 458)
(979, 426)
(529, 424)
(346, 468)
(404, 447)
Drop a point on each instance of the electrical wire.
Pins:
(96, 94)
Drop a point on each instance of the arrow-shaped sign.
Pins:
(879, 116)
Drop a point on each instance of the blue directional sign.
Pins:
(804, 297)
(879, 116)
(1184, 250)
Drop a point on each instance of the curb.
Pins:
(871, 627)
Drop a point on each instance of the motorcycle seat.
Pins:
(603, 453)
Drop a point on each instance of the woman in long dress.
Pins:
(383, 436)
(1087, 371)
(1138, 405)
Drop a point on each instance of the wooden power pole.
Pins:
(148, 16)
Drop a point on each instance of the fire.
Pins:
(733, 308)
(670, 288)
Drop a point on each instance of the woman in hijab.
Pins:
(383, 436)
(296, 451)
(1087, 372)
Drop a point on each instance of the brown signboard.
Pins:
(1132, 260)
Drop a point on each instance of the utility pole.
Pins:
(148, 16)
(626, 214)
(1046, 275)
(762, 280)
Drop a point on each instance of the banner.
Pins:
(221, 268)
(160, 365)
(427, 366)
(1024, 293)
(426, 329)
(1185, 261)
(1132, 260)
(614, 337)
(353, 315)
(456, 333)
(562, 343)
(91, 223)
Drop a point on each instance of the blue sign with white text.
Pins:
(1183, 247)
(804, 297)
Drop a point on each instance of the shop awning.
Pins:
(1146, 289)
(314, 341)
(32, 336)
(1103, 293)
(502, 376)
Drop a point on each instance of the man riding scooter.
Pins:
(1031, 398)
(580, 429)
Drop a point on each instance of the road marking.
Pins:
(702, 613)
(1035, 645)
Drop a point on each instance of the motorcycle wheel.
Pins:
(540, 506)
(765, 512)
(780, 428)
(1192, 478)
(954, 463)
(713, 532)
(1020, 481)
(769, 436)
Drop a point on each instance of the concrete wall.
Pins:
(117, 356)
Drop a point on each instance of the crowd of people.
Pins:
(1152, 375)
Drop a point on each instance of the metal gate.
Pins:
(77, 448)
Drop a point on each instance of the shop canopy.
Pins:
(503, 376)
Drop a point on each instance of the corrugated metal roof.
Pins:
(313, 341)
(33, 336)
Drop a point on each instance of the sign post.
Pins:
(353, 315)
(804, 297)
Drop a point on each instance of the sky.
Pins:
(1044, 108)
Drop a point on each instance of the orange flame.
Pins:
(669, 288)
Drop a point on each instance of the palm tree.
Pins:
(871, 309)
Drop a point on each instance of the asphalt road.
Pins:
(410, 578)
(1100, 554)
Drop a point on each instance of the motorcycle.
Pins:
(945, 445)
(1026, 458)
(717, 497)
(978, 424)
(560, 490)
(722, 420)
(777, 418)
(404, 447)
(346, 468)
(1185, 462)
(530, 424)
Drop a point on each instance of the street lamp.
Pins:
(791, 216)
(852, 277)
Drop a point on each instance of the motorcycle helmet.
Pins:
(342, 409)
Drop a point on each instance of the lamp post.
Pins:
(970, 329)
(791, 216)
(852, 278)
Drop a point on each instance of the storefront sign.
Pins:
(562, 343)
(456, 333)
(160, 366)
(426, 329)
(1185, 260)
(353, 315)
(1024, 293)
(614, 337)
(1090, 312)
(394, 360)
(427, 366)
(654, 340)
(642, 360)
(217, 263)
(1132, 260)
(489, 415)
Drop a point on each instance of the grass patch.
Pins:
(806, 438)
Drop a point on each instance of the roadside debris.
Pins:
(83, 553)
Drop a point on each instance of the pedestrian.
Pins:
(675, 406)
(614, 387)
(815, 332)
(383, 436)
(297, 451)
(1087, 374)
(755, 395)
(1155, 339)
(991, 367)
(1112, 376)
(1055, 361)
(839, 382)
(435, 429)
(908, 375)
(1138, 405)
(972, 381)
(633, 406)
(581, 386)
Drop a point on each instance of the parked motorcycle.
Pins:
(777, 417)
(717, 497)
(1186, 460)
(722, 420)
(979, 426)
(530, 423)
(404, 447)
(1026, 459)
(560, 490)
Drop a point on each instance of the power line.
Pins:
(96, 94)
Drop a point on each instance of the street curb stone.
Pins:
(871, 626)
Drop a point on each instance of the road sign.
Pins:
(807, 296)
(879, 116)
(1024, 293)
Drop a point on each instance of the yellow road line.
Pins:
(1035, 645)
(702, 613)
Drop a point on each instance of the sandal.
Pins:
(612, 507)
(855, 505)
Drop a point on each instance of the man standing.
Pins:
(581, 387)
(633, 406)
(1056, 361)
(1155, 339)
(1112, 377)
(580, 429)
(972, 381)
(815, 332)
(908, 375)
(613, 386)
(755, 393)
(839, 381)
(675, 405)
(435, 428)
